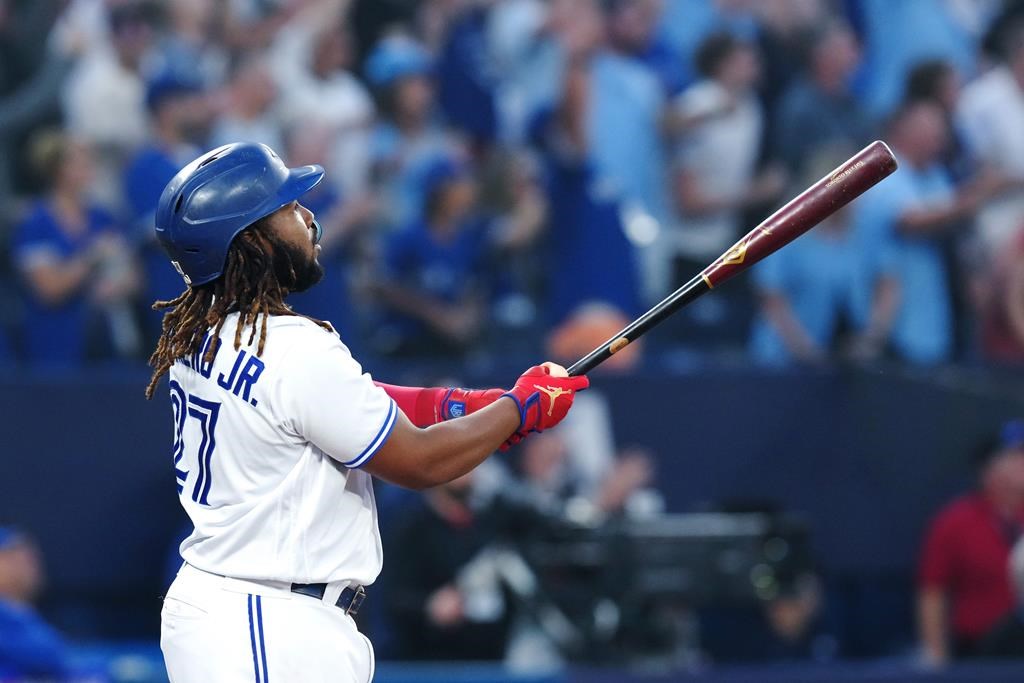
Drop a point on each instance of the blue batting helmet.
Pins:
(217, 196)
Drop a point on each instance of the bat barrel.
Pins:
(854, 177)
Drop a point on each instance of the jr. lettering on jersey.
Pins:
(243, 376)
(245, 371)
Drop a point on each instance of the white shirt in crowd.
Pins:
(722, 152)
(991, 118)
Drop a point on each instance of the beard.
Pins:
(296, 270)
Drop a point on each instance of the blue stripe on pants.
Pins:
(263, 648)
(252, 639)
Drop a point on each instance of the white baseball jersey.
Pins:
(267, 451)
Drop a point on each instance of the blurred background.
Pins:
(814, 473)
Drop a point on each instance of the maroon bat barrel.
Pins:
(854, 177)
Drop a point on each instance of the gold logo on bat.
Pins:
(736, 254)
(618, 345)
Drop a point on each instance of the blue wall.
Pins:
(867, 457)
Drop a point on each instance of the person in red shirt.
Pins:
(963, 583)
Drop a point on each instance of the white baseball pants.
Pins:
(221, 630)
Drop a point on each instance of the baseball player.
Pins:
(277, 431)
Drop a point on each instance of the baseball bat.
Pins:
(854, 177)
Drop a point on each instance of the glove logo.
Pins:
(552, 393)
(456, 409)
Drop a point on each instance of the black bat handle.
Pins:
(669, 305)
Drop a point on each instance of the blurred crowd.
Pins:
(510, 173)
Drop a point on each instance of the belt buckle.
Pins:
(358, 595)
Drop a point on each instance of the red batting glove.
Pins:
(543, 400)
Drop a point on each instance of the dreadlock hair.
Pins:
(257, 276)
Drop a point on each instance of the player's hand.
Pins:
(543, 394)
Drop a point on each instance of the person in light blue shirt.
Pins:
(816, 286)
(408, 136)
(686, 23)
(908, 214)
(626, 102)
(898, 35)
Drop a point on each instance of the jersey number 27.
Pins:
(205, 413)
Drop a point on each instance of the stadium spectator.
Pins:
(340, 218)
(408, 136)
(466, 79)
(963, 581)
(899, 35)
(30, 649)
(716, 159)
(989, 116)
(624, 109)
(527, 60)
(439, 610)
(822, 285)
(715, 176)
(32, 73)
(783, 29)
(558, 476)
(78, 273)
(686, 23)
(251, 107)
(179, 112)
(909, 214)
(633, 31)
(596, 263)
(311, 60)
(191, 46)
(436, 284)
(1006, 640)
(936, 81)
(1000, 301)
(818, 114)
(252, 24)
(105, 96)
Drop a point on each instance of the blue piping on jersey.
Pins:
(378, 441)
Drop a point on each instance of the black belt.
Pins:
(350, 599)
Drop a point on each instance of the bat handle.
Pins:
(585, 364)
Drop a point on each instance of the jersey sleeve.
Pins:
(331, 402)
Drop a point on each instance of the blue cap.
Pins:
(396, 57)
(168, 85)
(1011, 434)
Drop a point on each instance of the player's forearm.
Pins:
(931, 621)
(883, 309)
(453, 448)
(794, 335)
(420, 458)
(55, 284)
